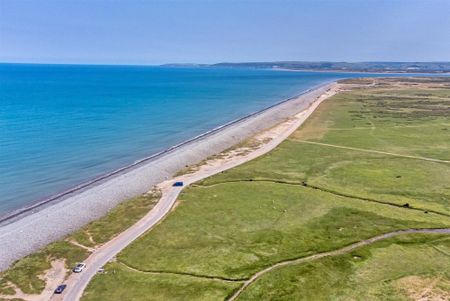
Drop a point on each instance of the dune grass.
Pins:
(117, 220)
(25, 272)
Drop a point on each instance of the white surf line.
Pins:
(373, 151)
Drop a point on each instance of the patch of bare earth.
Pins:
(75, 243)
(424, 289)
(91, 239)
(52, 277)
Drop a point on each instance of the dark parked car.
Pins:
(60, 289)
(177, 184)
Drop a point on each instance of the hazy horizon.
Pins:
(206, 32)
(207, 64)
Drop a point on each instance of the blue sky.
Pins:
(170, 31)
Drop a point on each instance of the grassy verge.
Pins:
(118, 220)
(25, 273)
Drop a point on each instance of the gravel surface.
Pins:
(33, 230)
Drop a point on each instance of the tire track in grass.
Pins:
(336, 252)
(162, 272)
(373, 151)
(341, 194)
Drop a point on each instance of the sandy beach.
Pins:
(53, 220)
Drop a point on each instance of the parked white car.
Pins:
(79, 267)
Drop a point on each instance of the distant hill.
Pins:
(391, 67)
(187, 65)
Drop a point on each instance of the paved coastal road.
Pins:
(76, 283)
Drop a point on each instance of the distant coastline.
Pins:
(338, 67)
(347, 67)
(401, 73)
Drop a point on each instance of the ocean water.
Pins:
(61, 125)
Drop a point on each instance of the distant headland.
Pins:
(385, 67)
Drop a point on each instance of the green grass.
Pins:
(363, 119)
(385, 119)
(298, 200)
(120, 283)
(423, 184)
(25, 272)
(118, 220)
(357, 119)
(233, 230)
(238, 222)
(377, 272)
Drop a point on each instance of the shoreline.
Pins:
(266, 140)
(38, 204)
(30, 230)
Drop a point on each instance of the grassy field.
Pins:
(357, 119)
(233, 230)
(132, 285)
(413, 267)
(311, 194)
(25, 273)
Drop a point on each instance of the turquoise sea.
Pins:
(61, 125)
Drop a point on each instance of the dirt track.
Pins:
(333, 253)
